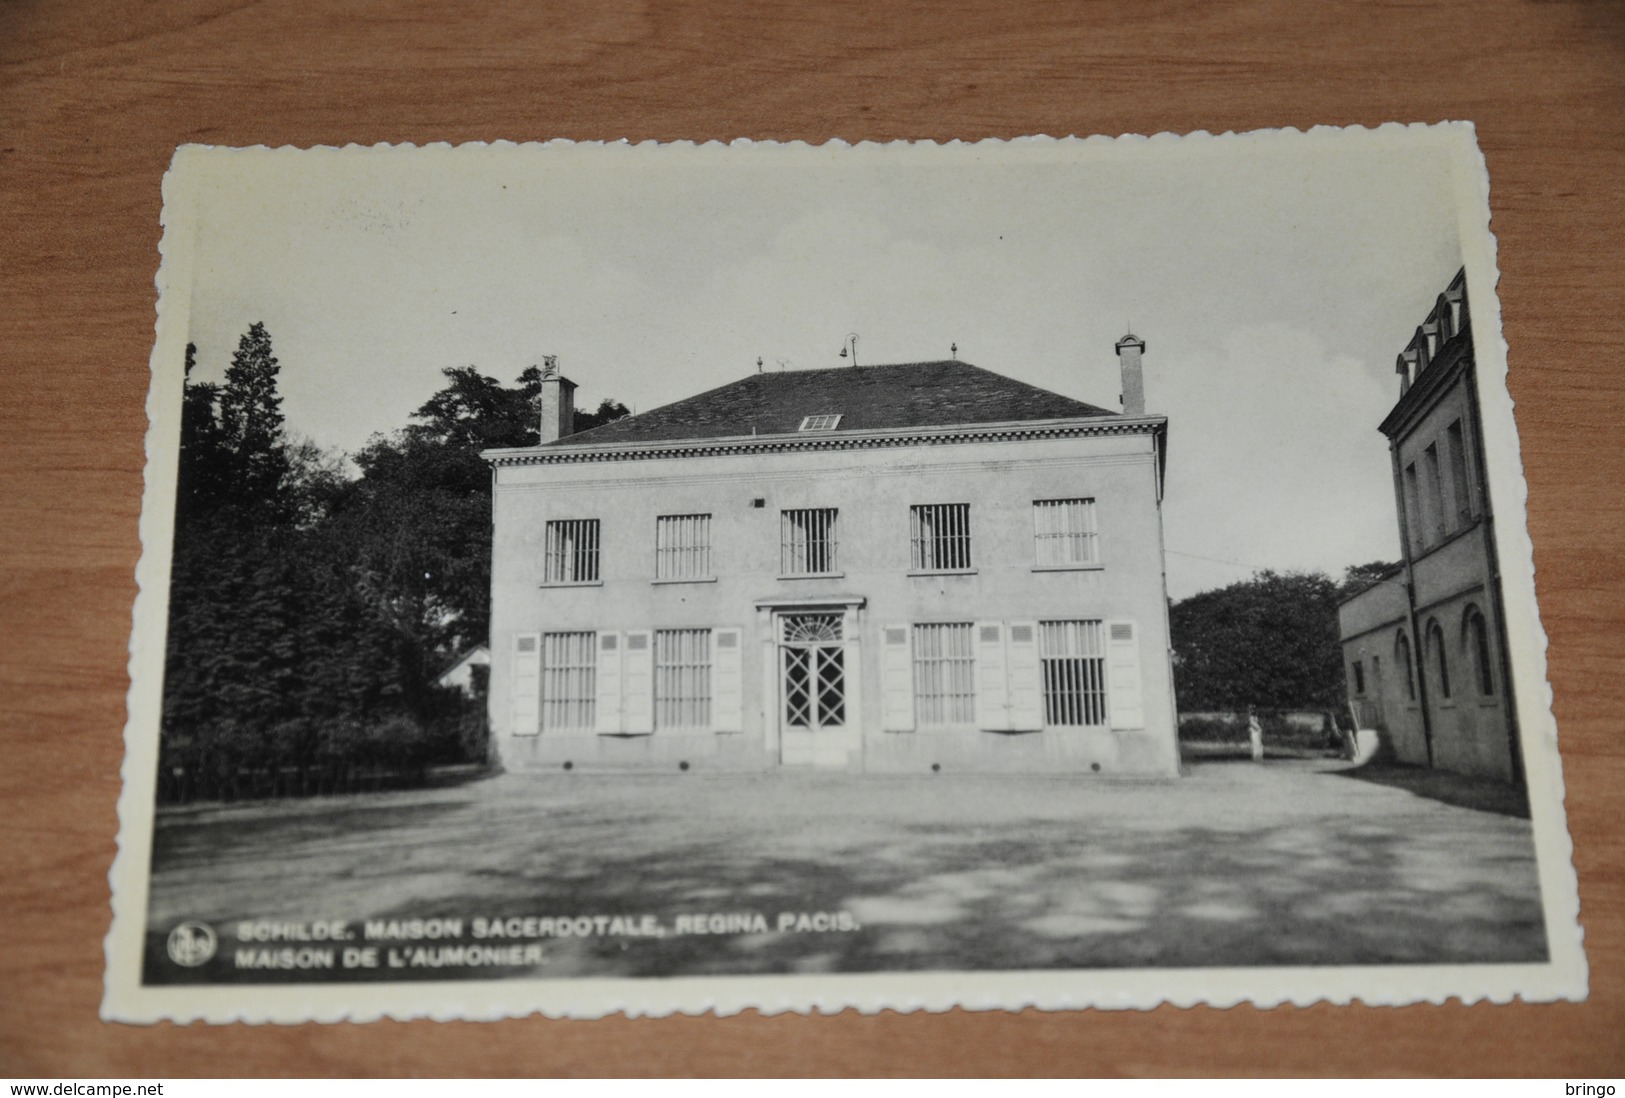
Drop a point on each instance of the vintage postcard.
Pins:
(583, 578)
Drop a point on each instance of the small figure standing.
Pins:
(1255, 735)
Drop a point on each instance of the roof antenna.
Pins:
(851, 341)
(953, 349)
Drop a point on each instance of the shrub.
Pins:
(1213, 729)
(1279, 729)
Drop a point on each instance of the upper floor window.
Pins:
(939, 534)
(1064, 531)
(807, 541)
(1439, 490)
(683, 547)
(1433, 494)
(572, 551)
(1359, 677)
(1413, 509)
(820, 423)
(1460, 490)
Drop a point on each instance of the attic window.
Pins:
(820, 423)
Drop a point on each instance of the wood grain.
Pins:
(94, 97)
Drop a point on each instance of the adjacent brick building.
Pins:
(1425, 647)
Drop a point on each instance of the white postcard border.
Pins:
(1563, 976)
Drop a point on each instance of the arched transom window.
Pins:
(1402, 656)
(1436, 653)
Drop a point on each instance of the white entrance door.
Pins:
(813, 678)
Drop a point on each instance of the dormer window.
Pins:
(820, 423)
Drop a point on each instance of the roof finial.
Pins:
(953, 349)
(758, 363)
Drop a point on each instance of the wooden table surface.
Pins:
(94, 97)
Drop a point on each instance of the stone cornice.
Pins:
(561, 453)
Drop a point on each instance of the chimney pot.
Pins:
(558, 402)
(1129, 349)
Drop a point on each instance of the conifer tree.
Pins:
(203, 479)
(251, 420)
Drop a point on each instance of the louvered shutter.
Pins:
(1123, 675)
(896, 679)
(527, 683)
(992, 694)
(1023, 679)
(638, 682)
(727, 680)
(607, 700)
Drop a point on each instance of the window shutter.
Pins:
(727, 680)
(608, 701)
(527, 682)
(638, 682)
(1123, 675)
(992, 696)
(1025, 682)
(896, 679)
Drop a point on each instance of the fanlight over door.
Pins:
(812, 662)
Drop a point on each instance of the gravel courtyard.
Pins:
(1285, 863)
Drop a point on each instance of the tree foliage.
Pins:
(419, 517)
(1357, 577)
(608, 411)
(204, 479)
(314, 598)
(1270, 641)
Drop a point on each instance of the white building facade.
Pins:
(911, 568)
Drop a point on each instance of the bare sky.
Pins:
(1274, 281)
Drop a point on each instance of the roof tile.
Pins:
(867, 398)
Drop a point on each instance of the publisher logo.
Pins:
(191, 944)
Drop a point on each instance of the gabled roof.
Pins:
(914, 394)
(472, 654)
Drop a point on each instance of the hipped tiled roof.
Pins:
(867, 398)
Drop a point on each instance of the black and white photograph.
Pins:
(1058, 572)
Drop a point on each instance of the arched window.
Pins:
(1442, 314)
(1435, 645)
(1475, 641)
(1402, 656)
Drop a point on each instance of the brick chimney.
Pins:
(1129, 349)
(558, 401)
